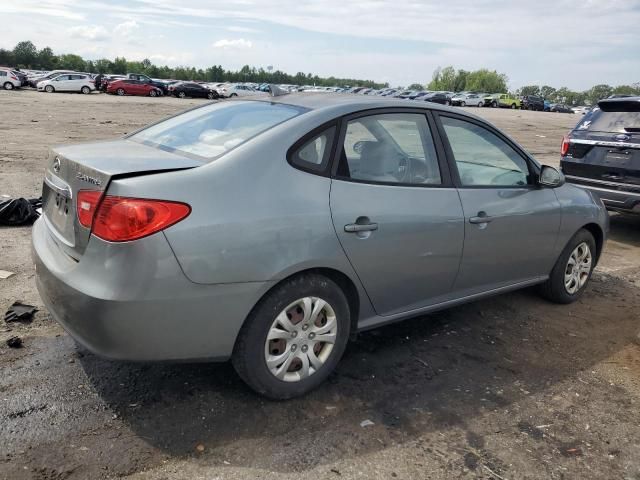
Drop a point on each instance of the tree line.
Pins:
(450, 79)
(26, 55)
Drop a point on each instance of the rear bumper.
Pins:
(132, 301)
(612, 194)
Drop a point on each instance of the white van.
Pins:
(8, 80)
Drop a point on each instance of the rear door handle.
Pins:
(481, 218)
(357, 227)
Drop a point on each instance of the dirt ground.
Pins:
(511, 387)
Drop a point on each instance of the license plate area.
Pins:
(58, 209)
(617, 158)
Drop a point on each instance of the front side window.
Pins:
(483, 158)
(390, 148)
(212, 130)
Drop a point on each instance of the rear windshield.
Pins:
(215, 129)
(614, 122)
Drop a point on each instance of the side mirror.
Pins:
(551, 177)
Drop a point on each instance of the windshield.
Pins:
(215, 129)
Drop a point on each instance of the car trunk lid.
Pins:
(91, 167)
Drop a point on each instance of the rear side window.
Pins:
(314, 153)
(213, 130)
(393, 148)
(3, 73)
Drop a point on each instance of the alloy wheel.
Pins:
(578, 268)
(300, 339)
(8, 86)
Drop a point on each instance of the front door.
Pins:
(511, 223)
(395, 212)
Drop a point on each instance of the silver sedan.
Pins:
(270, 231)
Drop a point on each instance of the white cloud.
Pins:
(232, 43)
(125, 29)
(236, 28)
(89, 32)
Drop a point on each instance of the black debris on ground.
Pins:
(20, 312)
(19, 211)
(14, 342)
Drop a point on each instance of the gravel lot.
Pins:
(510, 387)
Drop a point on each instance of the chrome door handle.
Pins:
(481, 218)
(357, 227)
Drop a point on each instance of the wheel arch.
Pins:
(598, 235)
(346, 284)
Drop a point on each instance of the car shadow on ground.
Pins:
(625, 229)
(421, 375)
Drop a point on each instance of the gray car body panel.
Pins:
(185, 293)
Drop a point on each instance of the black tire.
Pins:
(85, 90)
(554, 288)
(249, 352)
(513, 106)
(182, 95)
(49, 89)
(494, 104)
(211, 96)
(153, 93)
(463, 104)
(120, 92)
(8, 86)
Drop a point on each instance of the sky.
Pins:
(572, 43)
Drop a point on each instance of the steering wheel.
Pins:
(403, 173)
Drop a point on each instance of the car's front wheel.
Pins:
(572, 270)
(120, 91)
(294, 337)
(153, 93)
(49, 89)
(182, 94)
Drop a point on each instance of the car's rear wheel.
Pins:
(182, 94)
(8, 86)
(572, 270)
(463, 104)
(120, 92)
(513, 106)
(294, 337)
(494, 104)
(85, 90)
(480, 104)
(49, 89)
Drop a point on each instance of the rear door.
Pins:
(511, 224)
(396, 214)
(605, 146)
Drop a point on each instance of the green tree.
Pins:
(484, 80)
(626, 90)
(529, 90)
(547, 92)
(6, 58)
(598, 92)
(25, 54)
(71, 62)
(415, 86)
(46, 59)
(119, 66)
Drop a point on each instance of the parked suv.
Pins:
(74, 82)
(602, 153)
(503, 100)
(533, 102)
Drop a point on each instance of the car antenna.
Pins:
(276, 91)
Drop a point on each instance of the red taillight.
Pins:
(565, 145)
(87, 205)
(122, 219)
(14, 78)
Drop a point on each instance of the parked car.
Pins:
(148, 80)
(561, 108)
(547, 106)
(437, 97)
(238, 90)
(468, 100)
(171, 244)
(33, 81)
(581, 110)
(9, 80)
(502, 100)
(419, 94)
(602, 153)
(532, 102)
(190, 89)
(76, 82)
(133, 87)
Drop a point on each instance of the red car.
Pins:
(133, 87)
